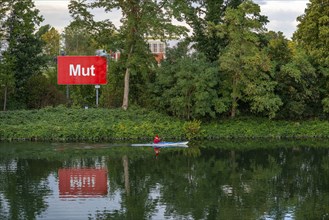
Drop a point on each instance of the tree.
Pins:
(6, 77)
(278, 48)
(140, 19)
(246, 67)
(186, 85)
(77, 39)
(202, 16)
(51, 48)
(7, 80)
(312, 35)
(297, 87)
(112, 93)
(42, 93)
(313, 31)
(296, 78)
(52, 42)
(24, 48)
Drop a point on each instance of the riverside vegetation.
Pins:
(100, 124)
(227, 64)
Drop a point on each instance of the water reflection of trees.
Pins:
(219, 184)
(201, 183)
(24, 186)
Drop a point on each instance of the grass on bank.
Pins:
(77, 124)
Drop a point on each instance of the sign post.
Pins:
(97, 87)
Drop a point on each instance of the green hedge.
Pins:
(74, 124)
(265, 128)
(77, 124)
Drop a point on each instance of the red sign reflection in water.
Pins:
(82, 182)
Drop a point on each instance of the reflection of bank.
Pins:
(82, 182)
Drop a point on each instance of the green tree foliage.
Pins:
(313, 35)
(246, 68)
(202, 16)
(7, 80)
(278, 49)
(298, 87)
(3, 11)
(103, 34)
(52, 42)
(51, 49)
(186, 85)
(42, 30)
(112, 92)
(296, 78)
(140, 20)
(24, 48)
(313, 31)
(78, 40)
(42, 93)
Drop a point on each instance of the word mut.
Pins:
(77, 70)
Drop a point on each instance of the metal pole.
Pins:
(97, 87)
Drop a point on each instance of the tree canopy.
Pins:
(227, 64)
(312, 35)
(23, 55)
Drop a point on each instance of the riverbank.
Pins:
(76, 124)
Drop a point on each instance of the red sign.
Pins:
(82, 182)
(81, 70)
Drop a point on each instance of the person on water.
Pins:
(156, 139)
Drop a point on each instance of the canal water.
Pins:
(207, 180)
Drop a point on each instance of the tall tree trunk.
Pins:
(126, 86)
(5, 99)
(233, 111)
(126, 90)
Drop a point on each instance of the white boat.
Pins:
(163, 144)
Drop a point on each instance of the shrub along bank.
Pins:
(73, 124)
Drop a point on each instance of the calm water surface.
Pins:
(213, 180)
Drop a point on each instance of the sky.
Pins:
(281, 14)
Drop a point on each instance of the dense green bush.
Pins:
(74, 124)
(77, 124)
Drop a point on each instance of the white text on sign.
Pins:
(81, 71)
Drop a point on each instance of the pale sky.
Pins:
(282, 14)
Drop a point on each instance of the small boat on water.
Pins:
(163, 144)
